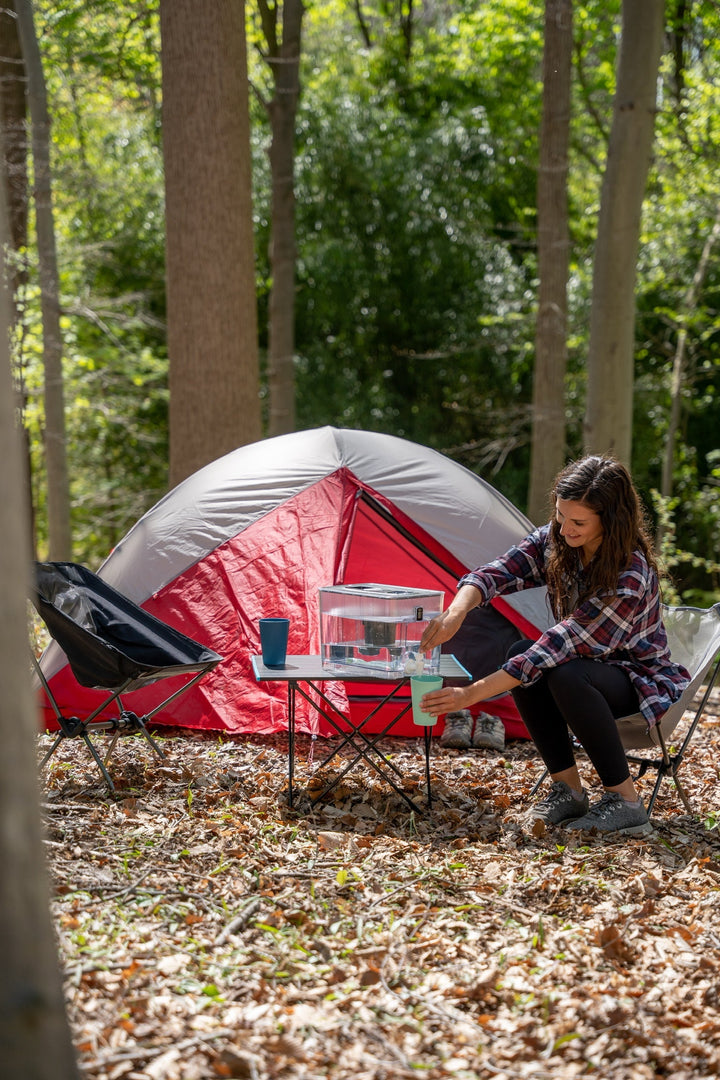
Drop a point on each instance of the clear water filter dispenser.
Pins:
(377, 629)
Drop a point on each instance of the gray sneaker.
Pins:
(489, 733)
(458, 729)
(560, 805)
(613, 815)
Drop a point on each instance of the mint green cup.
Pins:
(419, 686)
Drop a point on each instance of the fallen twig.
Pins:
(240, 920)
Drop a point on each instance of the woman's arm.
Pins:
(452, 698)
(448, 622)
(522, 567)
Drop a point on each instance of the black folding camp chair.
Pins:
(113, 645)
(694, 640)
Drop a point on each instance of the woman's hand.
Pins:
(447, 699)
(448, 622)
(441, 629)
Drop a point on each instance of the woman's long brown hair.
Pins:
(605, 486)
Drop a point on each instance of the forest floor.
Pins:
(206, 930)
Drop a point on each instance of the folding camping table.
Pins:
(303, 674)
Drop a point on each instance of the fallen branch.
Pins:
(240, 920)
(149, 1052)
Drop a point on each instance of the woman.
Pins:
(605, 657)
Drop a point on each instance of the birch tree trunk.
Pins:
(283, 56)
(58, 487)
(212, 315)
(609, 409)
(35, 1041)
(548, 415)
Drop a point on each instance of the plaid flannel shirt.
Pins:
(625, 628)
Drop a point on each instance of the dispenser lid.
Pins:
(380, 592)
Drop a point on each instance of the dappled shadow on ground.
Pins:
(209, 930)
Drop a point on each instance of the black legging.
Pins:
(584, 696)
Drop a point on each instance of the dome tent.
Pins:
(260, 530)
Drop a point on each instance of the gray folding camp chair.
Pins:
(694, 640)
(112, 645)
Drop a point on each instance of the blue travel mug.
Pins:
(273, 641)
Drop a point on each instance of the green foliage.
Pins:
(415, 218)
(703, 570)
(680, 212)
(402, 320)
(102, 69)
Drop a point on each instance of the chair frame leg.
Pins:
(667, 766)
(102, 766)
(670, 764)
(536, 786)
(72, 727)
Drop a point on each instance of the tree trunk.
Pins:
(58, 487)
(13, 106)
(608, 417)
(212, 316)
(35, 1041)
(284, 60)
(548, 431)
(13, 111)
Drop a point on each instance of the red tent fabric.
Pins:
(262, 530)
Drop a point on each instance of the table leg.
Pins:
(291, 740)
(427, 733)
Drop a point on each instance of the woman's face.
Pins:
(580, 526)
